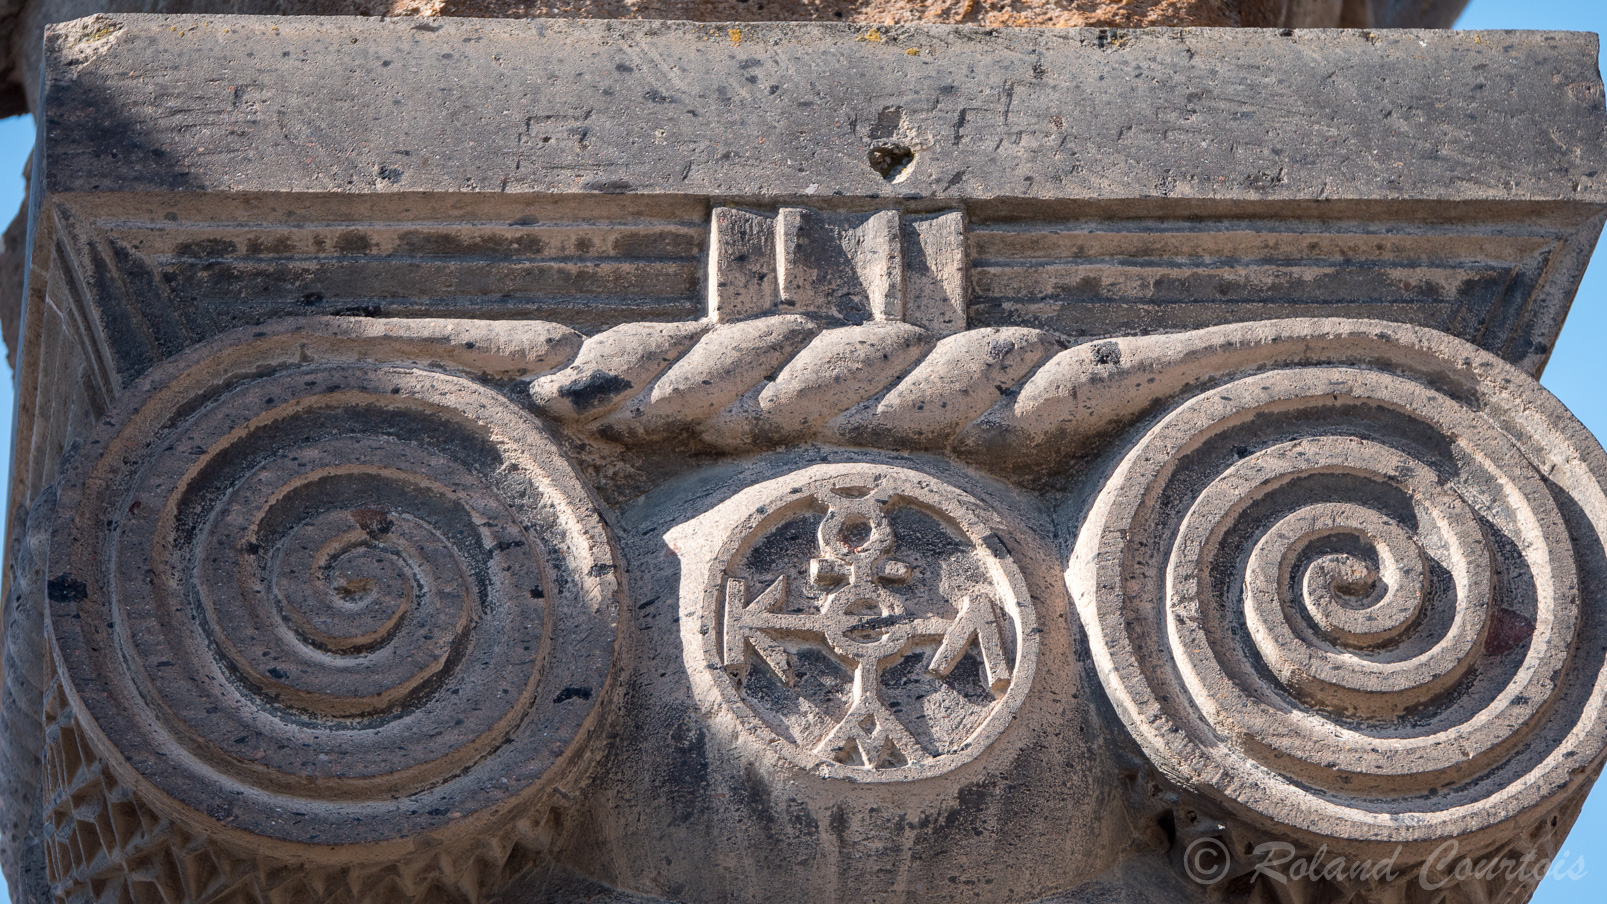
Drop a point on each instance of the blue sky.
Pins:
(1575, 373)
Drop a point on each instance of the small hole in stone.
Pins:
(355, 587)
(890, 160)
(1358, 589)
(856, 533)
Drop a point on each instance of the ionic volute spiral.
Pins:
(1357, 604)
(327, 604)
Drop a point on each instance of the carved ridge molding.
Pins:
(1004, 395)
(122, 291)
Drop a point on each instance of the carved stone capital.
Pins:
(1335, 577)
(832, 468)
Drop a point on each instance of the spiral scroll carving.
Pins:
(1353, 603)
(331, 604)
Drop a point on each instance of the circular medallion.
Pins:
(868, 622)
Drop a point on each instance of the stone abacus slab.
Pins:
(242, 104)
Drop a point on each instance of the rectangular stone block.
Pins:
(793, 111)
(936, 288)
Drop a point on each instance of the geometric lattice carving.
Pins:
(104, 844)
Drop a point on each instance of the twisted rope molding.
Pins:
(997, 394)
(1000, 396)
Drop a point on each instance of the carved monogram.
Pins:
(871, 620)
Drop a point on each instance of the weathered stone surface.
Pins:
(13, 254)
(22, 27)
(872, 563)
(849, 618)
(930, 518)
(835, 827)
(22, 728)
(1088, 214)
(423, 543)
(22, 22)
(793, 111)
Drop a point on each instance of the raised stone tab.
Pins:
(936, 281)
(848, 268)
(838, 267)
(742, 265)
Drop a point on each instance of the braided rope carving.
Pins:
(781, 379)
(1003, 396)
(1000, 395)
